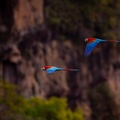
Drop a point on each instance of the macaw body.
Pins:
(52, 69)
(94, 42)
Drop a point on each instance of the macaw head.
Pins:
(46, 67)
(43, 68)
(86, 40)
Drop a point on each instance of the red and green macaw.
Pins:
(52, 69)
(94, 42)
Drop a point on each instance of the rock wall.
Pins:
(22, 66)
(28, 14)
(29, 47)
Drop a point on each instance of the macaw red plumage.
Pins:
(94, 42)
(52, 69)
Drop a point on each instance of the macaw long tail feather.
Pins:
(67, 69)
(112, 41)
(117, 41)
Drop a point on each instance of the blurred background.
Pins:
(36, 33)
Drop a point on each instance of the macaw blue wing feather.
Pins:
(53, 69)
(90, 47)
(50, 70)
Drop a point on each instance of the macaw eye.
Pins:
(86, 40)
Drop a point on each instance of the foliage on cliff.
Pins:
(13, 106)
(67, 17)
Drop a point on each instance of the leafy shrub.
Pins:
(13, 106)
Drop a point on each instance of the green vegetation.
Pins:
(103, 104)
(15, 107)
(65, 17)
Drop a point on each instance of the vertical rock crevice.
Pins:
(6, 18)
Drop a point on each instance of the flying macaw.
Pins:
(52, 69)
(94, 42)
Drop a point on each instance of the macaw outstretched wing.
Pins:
(50, 70)
(53, 69)
(90, 47)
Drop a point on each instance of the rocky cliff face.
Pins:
(17, 16)
(21, 63)
(29, 48)
(28, 14)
